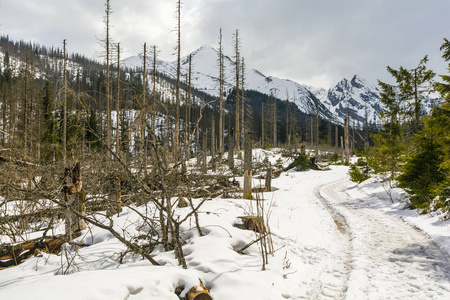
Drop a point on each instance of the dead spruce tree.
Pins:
(221, 92)
(176, 143)
(237, 132)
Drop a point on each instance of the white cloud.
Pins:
(313, 42)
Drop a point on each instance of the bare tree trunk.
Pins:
(25, 111)
(248, 166)
(177, 85)
(237, 108)
(204, 162)
(108, 97)
(118, 102)
(188, 113)
(336, 137)
(221, 79)
(242, 102)
(213, 144)
(353, 131)
(275, 141)
(262, 125)
(83, 137)
(347, 148)
(317, 125)
(268, 182)
(65, 105)
(71, 189)
(231, 148)
(144, 112)
(154, 89)
(288, 133)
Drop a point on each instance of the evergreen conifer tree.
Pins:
(389, 143)
(421, 173)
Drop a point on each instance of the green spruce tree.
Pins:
(389, 144)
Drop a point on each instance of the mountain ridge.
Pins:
(205, 77)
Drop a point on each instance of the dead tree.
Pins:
(73, 200)
(118, 101)
(243, 117)
(213, 144)
(108, 97)
(347, 146)
(269, 178)
(231, 148)
(262, 125)
(65, 106)
(204, 143)
(221, 84)
(248, 166)
(176, 142)
(237, 108)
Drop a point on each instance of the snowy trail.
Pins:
(390, 258)
(332, 280)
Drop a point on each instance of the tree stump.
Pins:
(248, 184)
(199, 294)
(269, 179)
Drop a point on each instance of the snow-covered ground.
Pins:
(333, 239)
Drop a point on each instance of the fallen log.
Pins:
(13, 255)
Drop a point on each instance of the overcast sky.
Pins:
(315, 42)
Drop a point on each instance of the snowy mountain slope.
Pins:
(357, 98)
(205, 77)
(354, 98)
(44, 67)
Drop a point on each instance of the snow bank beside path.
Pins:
(378, 194)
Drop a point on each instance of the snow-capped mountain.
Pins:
(205, 77)
(355, 98)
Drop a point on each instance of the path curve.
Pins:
(388, 256)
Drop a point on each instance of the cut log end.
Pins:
(196, 293)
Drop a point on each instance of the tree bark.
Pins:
(204, 162)
(72, 187)
(269, 178)
(347, 146)
(231, 148)
(248, 166)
